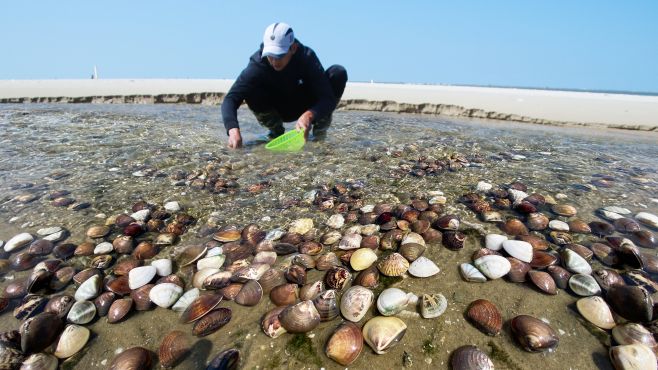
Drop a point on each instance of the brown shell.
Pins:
(518, 270)
(525, 207)
(173, 348)
(533, 334)
(626, 225)
(600, 228)
(230, 291)
(432, 236)
(579, 226)
(368, 278)
(199, 307)
(191, 254)
(514, 226)
(543, 281)
(250, 294)
(541, 259)
(212, 322)
(124, 266)
(370, 241)
(300, 318)
(119, 286)
(85, 274)
(411, 251)
(132, 358)
(560, 276)
(538, 244)
(485, 316)
(123, 244)
(470, 358)
(537, 221)
(582, 250)
(41, 247)
(271, 278)
(119, 309)
(103, 303)
(311, 248)
(345, 343)
(95, 232)
(631, 302)
(40, 331)
(296, 274)
(101, 262)
(145, 250)
(284, 294)
(270, 323)
(453, 240)
(565, 210)
(311, 290)
(337, 278)
(60, 305)
(447, 222)
(141, 297)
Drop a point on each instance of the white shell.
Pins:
(82, 312)
(215, 251)
(413, 238)
(483, 187)
(214, 262)
(301, 226)
(616, 209)
(354, 229)
(267, 257)
(575, 263)
(584, 285)
(423, 267)
(103, 248)
(49, 230)
(494, 241)
(362, 258)
(608, 215)
(165, 294)
(18, 241)
(472, 274)
(516, 196)
(163, 267)
(58, 236)
(433, 305)
(633, 357)
(185, 300)
(350, 241)
(392, 301)
(356, 302)
(336, 221)
(558, 225)
(369, 229)
(367, 208)
(140, 276)
(595, 310)
(518, 249)
(73, 339)
(492, 266)
(201, 275)
(275, 234)
(88, 289)
(647, 218)
(439, 199)
(141, 215)
(172, 206)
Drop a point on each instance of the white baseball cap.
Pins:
(277, 40)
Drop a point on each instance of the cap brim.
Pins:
(274, 51)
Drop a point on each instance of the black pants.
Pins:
(270, 118)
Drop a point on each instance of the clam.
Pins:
(212, 322)
(447, 222)
(356, 302)
(141, 297)
(270, 323)
(584, 285)
(199, 307)
(304, 260)
(214, 262)
(595, 310)
(327, 261)
(29, 306)
(103, 303)
(560, 276)
(470, 273)
(543, 281)
(533, 334)
(284, 294)
(23, 261)
(485, 316)
(579, 226)
(41, 247)
(393, 300)
(393, 265)
(211, 279)
(124, 266)
(185, 300)
(632, 333)
(362, 258)
(311, 290)
(229, 234)
(368, 278)
(633, 356)
(350, 241)
(140, 276)
(191, 254)
(102, 261)
(15, 289)
(165, 294)
(311, 248)
(494, 241)
(326, 304)
(82, 312)
(630, 302)
(36, 361)
(295, 274)
(607, 278)
(85, 274)
(648, 219)
(300, 318)
(453, 240)
(514, 226)
(601, 228)
(132, 358)
(492, 266)
(72, 340)
(255, 271)
(565, 210)
(518, 249)
(537, 221)
(231, 291)
(543, 259)
(38, 332)
(432, 305)
(345, 344)
(383, 332)
(282, 249)
(605, 254)
(470, 358)
(267, 257)
(411, 251)
(225, 360)
(270, 279)
(96, 232)
(330, 237)
(645, 238)
(173, 348)
(88, 289)
(59, 305)
(423, 267)
(518, 270)
(164, 239)
(337, 278)
(626, 225)
(301, 226)
(574, 262)
(118, 286)
(537, 243)
(250, 294)
(163, 267)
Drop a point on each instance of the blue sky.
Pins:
(605, 45)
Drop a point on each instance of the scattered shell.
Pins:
(18, 241)
(132, 358)
(595, 310)
(632, 333)
(485, 316)
(584, 285)
(345, 343)
(393, 265)
(82, 312)
(533, 334)
(140, 276)
(165, 294)
(558, 225)
(336, 221)
(199, 307)
(163, 267)
(185, 300)
(574, 262)
(544, 281)
(633, 356)
(173, 348)
(494, 241)
(648, 219)
(300, 318)
(519, 249)
(89, 289)
(423, 267)
(212, 322)
(383, 332)
(492, 266)
(362, 258)
(564, 210)
(72, 340)
(472, 274)
(356, 302)
(470, 358)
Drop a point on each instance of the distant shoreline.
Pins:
(530, 105)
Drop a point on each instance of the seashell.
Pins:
(492, 266)
(411, 251)
(101, 262)
(229, 234)
(543, 281)
(212, 322)
(284, 294)
(514, 226)
(145, 250)
(41, 247)
(336, 221)
(560, 276)
(537, 221)
(327, 305)
(252, 234)
(311, 290)
(123, 244)
(519, 249)
(72, 340)
(282, 249)
(560, 237)
(453, 240)
(645, 238)
(140, 276)
(173, 348)
(494, 241)
(413, 238)
(227, 359)
(626, 225)
(97, 232)
(647, 219)
(383, 332)
(64, 251)
(291, 238)
(393, 265)
(185, 300)
(250, 294)
(432, 236)
(633, 356)
(583, 251)
(565, 210)
(311, 248)
(632, 333)
(132, 358)
(191, 254)
(103, 248)
(165, 294)
(558, 225)
(470, 358)
(199, 307)
(630, 302)
(485, 316)
(89, 289)
(84, 249)
(271, 278)
(23, 261)
(82, 312)
(163, 267)
(518, 270)
(423, 267)
(230, 291)
(37, 361)
(38, 280)
(345, 343)
(447, 222)
(301, 226)
(337, 278)
(369, 230)
(38, 332)
(432, 305)
(270, 323)
(391, 239)
(350, 241)
(165, 239)
(214, 262)
(574, 262)
(542, 259)
(471, 274)
(356, 302)
(607, 278)
(595, 310)
(609, 215)
(295, 274)
(59, 305)
(330, 237)
(601, 229)
(584, 285)
(579, 226)
(536, 242)
(362, 258)
(253, 272)
(533, 334)
(368, 278)
(300, 318)
(124, 266)
(266, 257)
(30, 305)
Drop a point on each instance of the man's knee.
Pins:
(337, 76)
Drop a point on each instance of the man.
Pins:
(284, 81)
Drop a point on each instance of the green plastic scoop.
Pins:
(291, 141)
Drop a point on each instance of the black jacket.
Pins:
(301, 86)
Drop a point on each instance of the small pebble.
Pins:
(172, 206)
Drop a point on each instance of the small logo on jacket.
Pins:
(300, 82)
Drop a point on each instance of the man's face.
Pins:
(280, 63)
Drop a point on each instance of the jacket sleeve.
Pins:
(326, 102)
(238, 92)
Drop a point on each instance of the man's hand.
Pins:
(234, 138)
(304, 122)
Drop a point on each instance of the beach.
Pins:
(546, 107)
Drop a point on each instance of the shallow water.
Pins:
(115, 155)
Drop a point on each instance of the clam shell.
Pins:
(633, 356)
(330, 237)
(362, 258)
(432, 305)
(212, 322)
(132, 358)
(519, 249)
(392, 301)
(295, 274)
(350, 241)
(537, 221)
(95, 232)
(485, 316)
(393, 265)
(533, 334)
(337, 278)
(228, 235)
(356, 302)
(518, 270)
(345, 343)
(470, 358)
(38, 332)
(494, 241)
(36, 361)
(543, 281)
(301, 226)
(62, 278)
(632, 333)
(411, 251)
(211, 279)
(311, 290)
(327, 305)
(560, 276)
(88, 289)
(227, 359)
(173, 348)
(271, 325)
(270, 279)
(453, 240)
(266, 257)
(368, 278)
(558, 225)
(250, 294)
(185, 300)
(191, 254)
(165, 294)
(140, 276)
(31, 305)
(284, 294)
(648, 219)
(59, 305)
(199, 307)
(492, 266)
(471, 273)
(300, 318)
(630, 302)
(595, 310)
(72, 340)
(584, 285)
(163, 267)
(514, 226)
(214, 262)
(574, 262)
(565, 210)
(423, 267)
(82, 312)
(383, 332)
